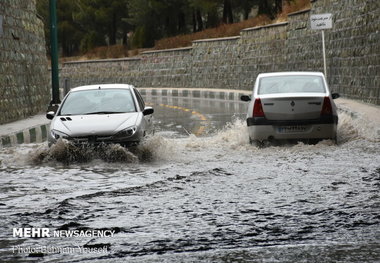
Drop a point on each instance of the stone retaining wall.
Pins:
(353, 55)
(24, 89)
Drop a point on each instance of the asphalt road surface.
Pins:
(196, 191)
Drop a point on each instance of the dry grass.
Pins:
(115, 51)
(224, 30)
(291, 7)
(227, 30)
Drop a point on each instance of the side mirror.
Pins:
(245, 98)
(50, 115)
(148, 111)
(335, 96)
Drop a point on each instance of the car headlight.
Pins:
(128, 132)
(58, 134)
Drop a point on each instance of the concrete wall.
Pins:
(24, 79)
(353, 55)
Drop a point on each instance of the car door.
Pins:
(148, 119)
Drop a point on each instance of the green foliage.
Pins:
(91, 40)
(139, 38)
(101, 21)
(85, 24)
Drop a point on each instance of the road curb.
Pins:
(348, 111)
(217, 94)
(34, 134)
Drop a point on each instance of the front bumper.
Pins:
(98, 140)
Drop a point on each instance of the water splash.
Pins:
(66, 152)
(233, 136)
(356, 126)
(152, 149)
(347, 128)
(161, 147)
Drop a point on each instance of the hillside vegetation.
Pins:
(227, 30)
(92, 46)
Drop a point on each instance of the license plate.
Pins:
(292, 129)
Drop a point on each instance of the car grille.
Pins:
(91, 139)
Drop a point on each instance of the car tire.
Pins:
(257, 143)
(313, 141)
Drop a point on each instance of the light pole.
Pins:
(54, 56)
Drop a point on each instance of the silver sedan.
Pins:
(291, 105)
(105, 113)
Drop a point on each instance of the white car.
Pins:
(291, 105)
(104, 113)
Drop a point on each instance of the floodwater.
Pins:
(196, 191)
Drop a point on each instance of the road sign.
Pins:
(321, 21)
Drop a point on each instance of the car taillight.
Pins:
(326, 107)
(258, 109)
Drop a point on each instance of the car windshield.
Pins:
(291, 84)
(99, 101)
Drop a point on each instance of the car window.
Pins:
(291, 84)
(98, 101)
(139, 99)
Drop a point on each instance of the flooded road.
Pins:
(196, 191)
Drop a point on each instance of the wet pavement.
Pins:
(196, 191)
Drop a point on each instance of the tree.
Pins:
(227, 12)
(244, 7)
(159, 18)
(69, 35)
(205, 13)
(270, 7)
(102, 21)
(147, 23)
(85, 24)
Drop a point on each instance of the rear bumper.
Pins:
(262, 129)
(263, 121)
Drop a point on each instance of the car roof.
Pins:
(290, 73)
(102, 86)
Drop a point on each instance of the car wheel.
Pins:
(313, 141)
(257, 143)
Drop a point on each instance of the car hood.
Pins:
(97, 124)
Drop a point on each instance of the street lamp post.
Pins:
(54, 56)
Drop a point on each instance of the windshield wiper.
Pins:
(103, 112)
